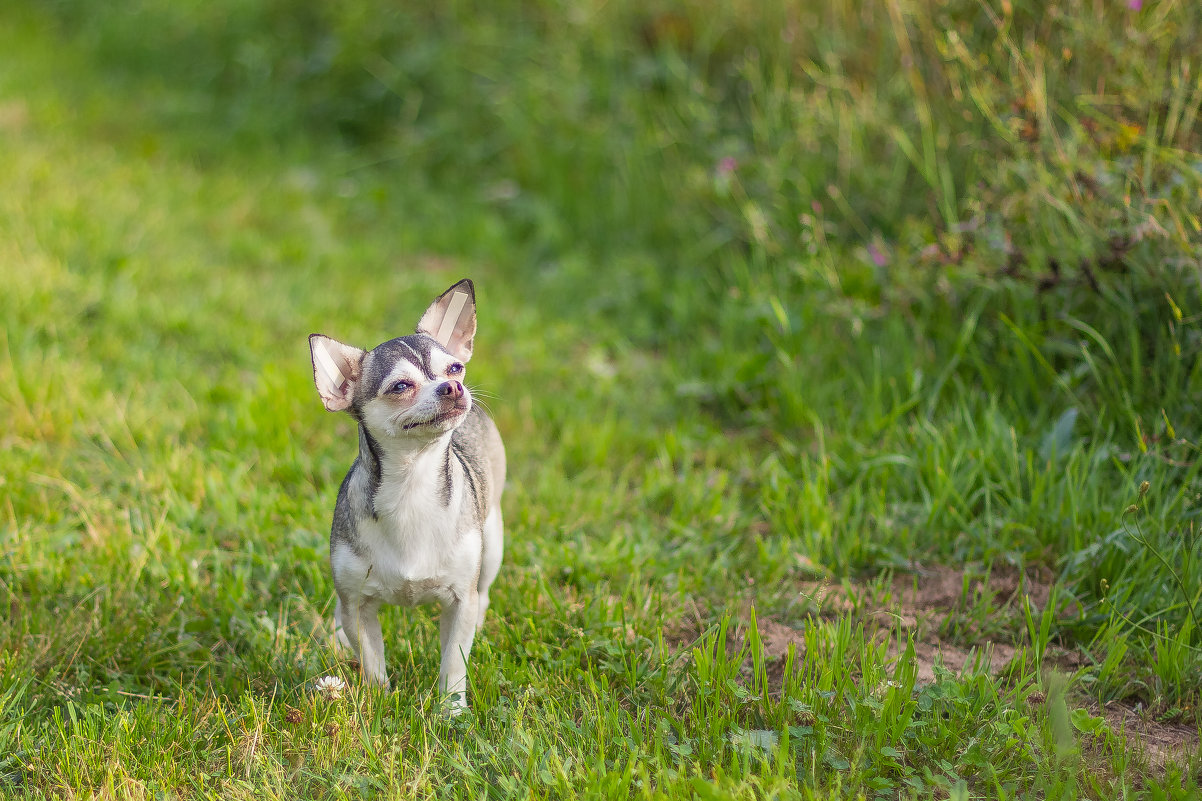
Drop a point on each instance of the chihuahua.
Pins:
(418, 516)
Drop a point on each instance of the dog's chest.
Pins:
(412, 552)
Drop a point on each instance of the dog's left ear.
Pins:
(452, 319)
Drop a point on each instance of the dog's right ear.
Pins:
(336, 370)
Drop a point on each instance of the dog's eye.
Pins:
(400, 386)
(455, 369)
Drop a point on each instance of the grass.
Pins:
(734, 436)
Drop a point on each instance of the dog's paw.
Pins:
(455, 705)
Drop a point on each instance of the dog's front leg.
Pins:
(456, 628)
(360, 622)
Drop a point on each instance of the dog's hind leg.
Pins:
(490, 559)
(341, 643)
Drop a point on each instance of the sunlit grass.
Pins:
(698, 427)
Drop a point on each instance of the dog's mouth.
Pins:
(442, 417)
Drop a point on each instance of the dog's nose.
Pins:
(450, 389)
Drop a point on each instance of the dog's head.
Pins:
(410, 387)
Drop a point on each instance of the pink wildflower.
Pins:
(877, 255)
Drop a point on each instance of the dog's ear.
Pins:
(452, 319)
(336, 370)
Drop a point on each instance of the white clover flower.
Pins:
(330, 687)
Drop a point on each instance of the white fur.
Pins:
(414, 555)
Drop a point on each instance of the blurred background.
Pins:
(875, 151)
(1017, 135)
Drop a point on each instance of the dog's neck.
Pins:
(408, 477)
(405, 460)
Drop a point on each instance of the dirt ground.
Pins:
(918, 604)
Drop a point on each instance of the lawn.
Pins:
(846, 355)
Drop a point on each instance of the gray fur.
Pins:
(378, 362)
(471, 445)
(351, 495)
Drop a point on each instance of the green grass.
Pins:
(710, 391)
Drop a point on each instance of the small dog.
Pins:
(418, 516)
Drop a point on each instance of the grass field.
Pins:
(849, 381)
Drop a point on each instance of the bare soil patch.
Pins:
(1160, 743)
(943, 588)
(918, 604)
